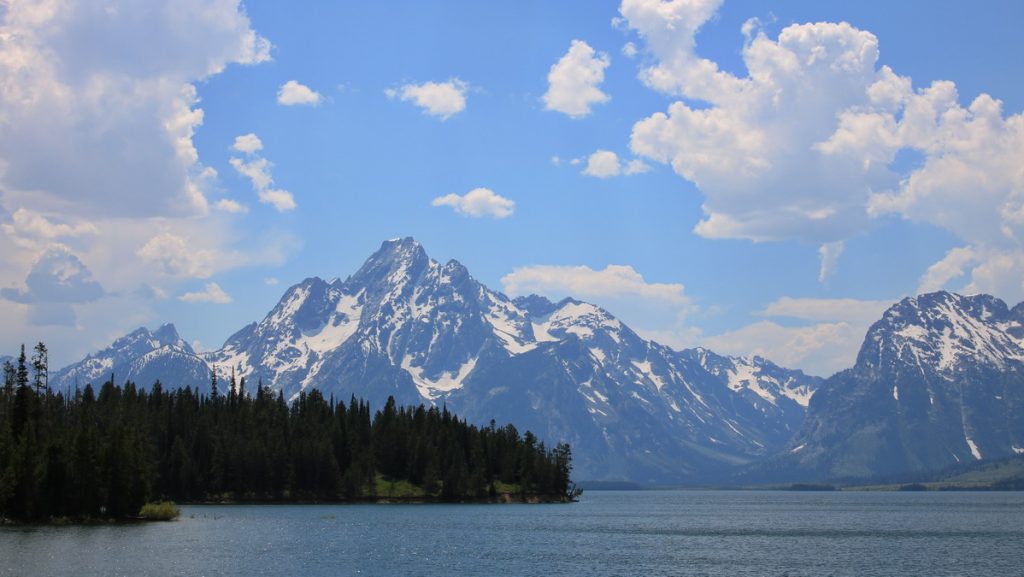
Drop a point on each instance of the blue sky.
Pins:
(752, 177)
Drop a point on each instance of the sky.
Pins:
(753, 177)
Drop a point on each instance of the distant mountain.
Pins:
(939, 381)
(407, 326)
(142, 356)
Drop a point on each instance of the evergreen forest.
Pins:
(89, 454)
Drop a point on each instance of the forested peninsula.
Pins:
(88, 454)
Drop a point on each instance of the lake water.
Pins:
(705, 533)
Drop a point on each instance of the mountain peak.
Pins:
(167, 334)
(394, 260)
(406, 245)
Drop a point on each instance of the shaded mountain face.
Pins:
(407, 326)
(939, 381)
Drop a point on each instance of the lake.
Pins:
(693, 533)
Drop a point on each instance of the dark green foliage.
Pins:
(92, 455)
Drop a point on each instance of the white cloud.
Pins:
(998, 272)
(828, 344)
(176, 256)
(257, 170)
(629, 50)
(282, 200)
(803, 146)
(859, 312)
(271, 281)
(231, 206)
(211, 293)
(247, 143)
(606, 164)
(101, 98)
(99, 107)
(440, 99)
(952, 266)
(573, 81)
(477, 203)
(602, 164)
(32, 230)
(656, 311)
(587, 283)
(820, 349)
(636, 166)
(292, 93)
(829, 254)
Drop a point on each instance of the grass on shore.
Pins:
(159, 511)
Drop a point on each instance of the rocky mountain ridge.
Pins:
(407, 326)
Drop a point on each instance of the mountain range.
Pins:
(937, 381)
(407, 326)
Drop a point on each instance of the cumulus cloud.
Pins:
(953, 265)
(657, 311)
(606, 164)
(293, 93)
(99, 106)
(66, 69)
(629, 50)
(31, 230)
(585, 282)
(177, 257)
(602, 164)
(232, 206)
(440, 99)
(820, 349)
(827, 342)
(211, 293)
(281, 200)
(247, 143)
(477, 203)
(803, 146)
(636, 166)
(58, 279)
(573, 81)
(257, 170)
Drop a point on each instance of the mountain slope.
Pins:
(407, 326)
(938, 381)
(142, 356)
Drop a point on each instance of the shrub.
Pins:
(161, 511)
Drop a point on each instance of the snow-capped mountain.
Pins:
(408, 326)
(938, 381)
(143, 357)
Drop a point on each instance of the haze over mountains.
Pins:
(937, 381)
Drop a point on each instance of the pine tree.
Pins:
(213, 383)
(22, 371)
(40, 368)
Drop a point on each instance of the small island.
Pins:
(88, 455)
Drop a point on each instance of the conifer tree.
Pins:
(22, 374)
(40, 368)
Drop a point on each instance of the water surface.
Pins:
(692, 533)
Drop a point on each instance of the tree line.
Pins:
(105, 453)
